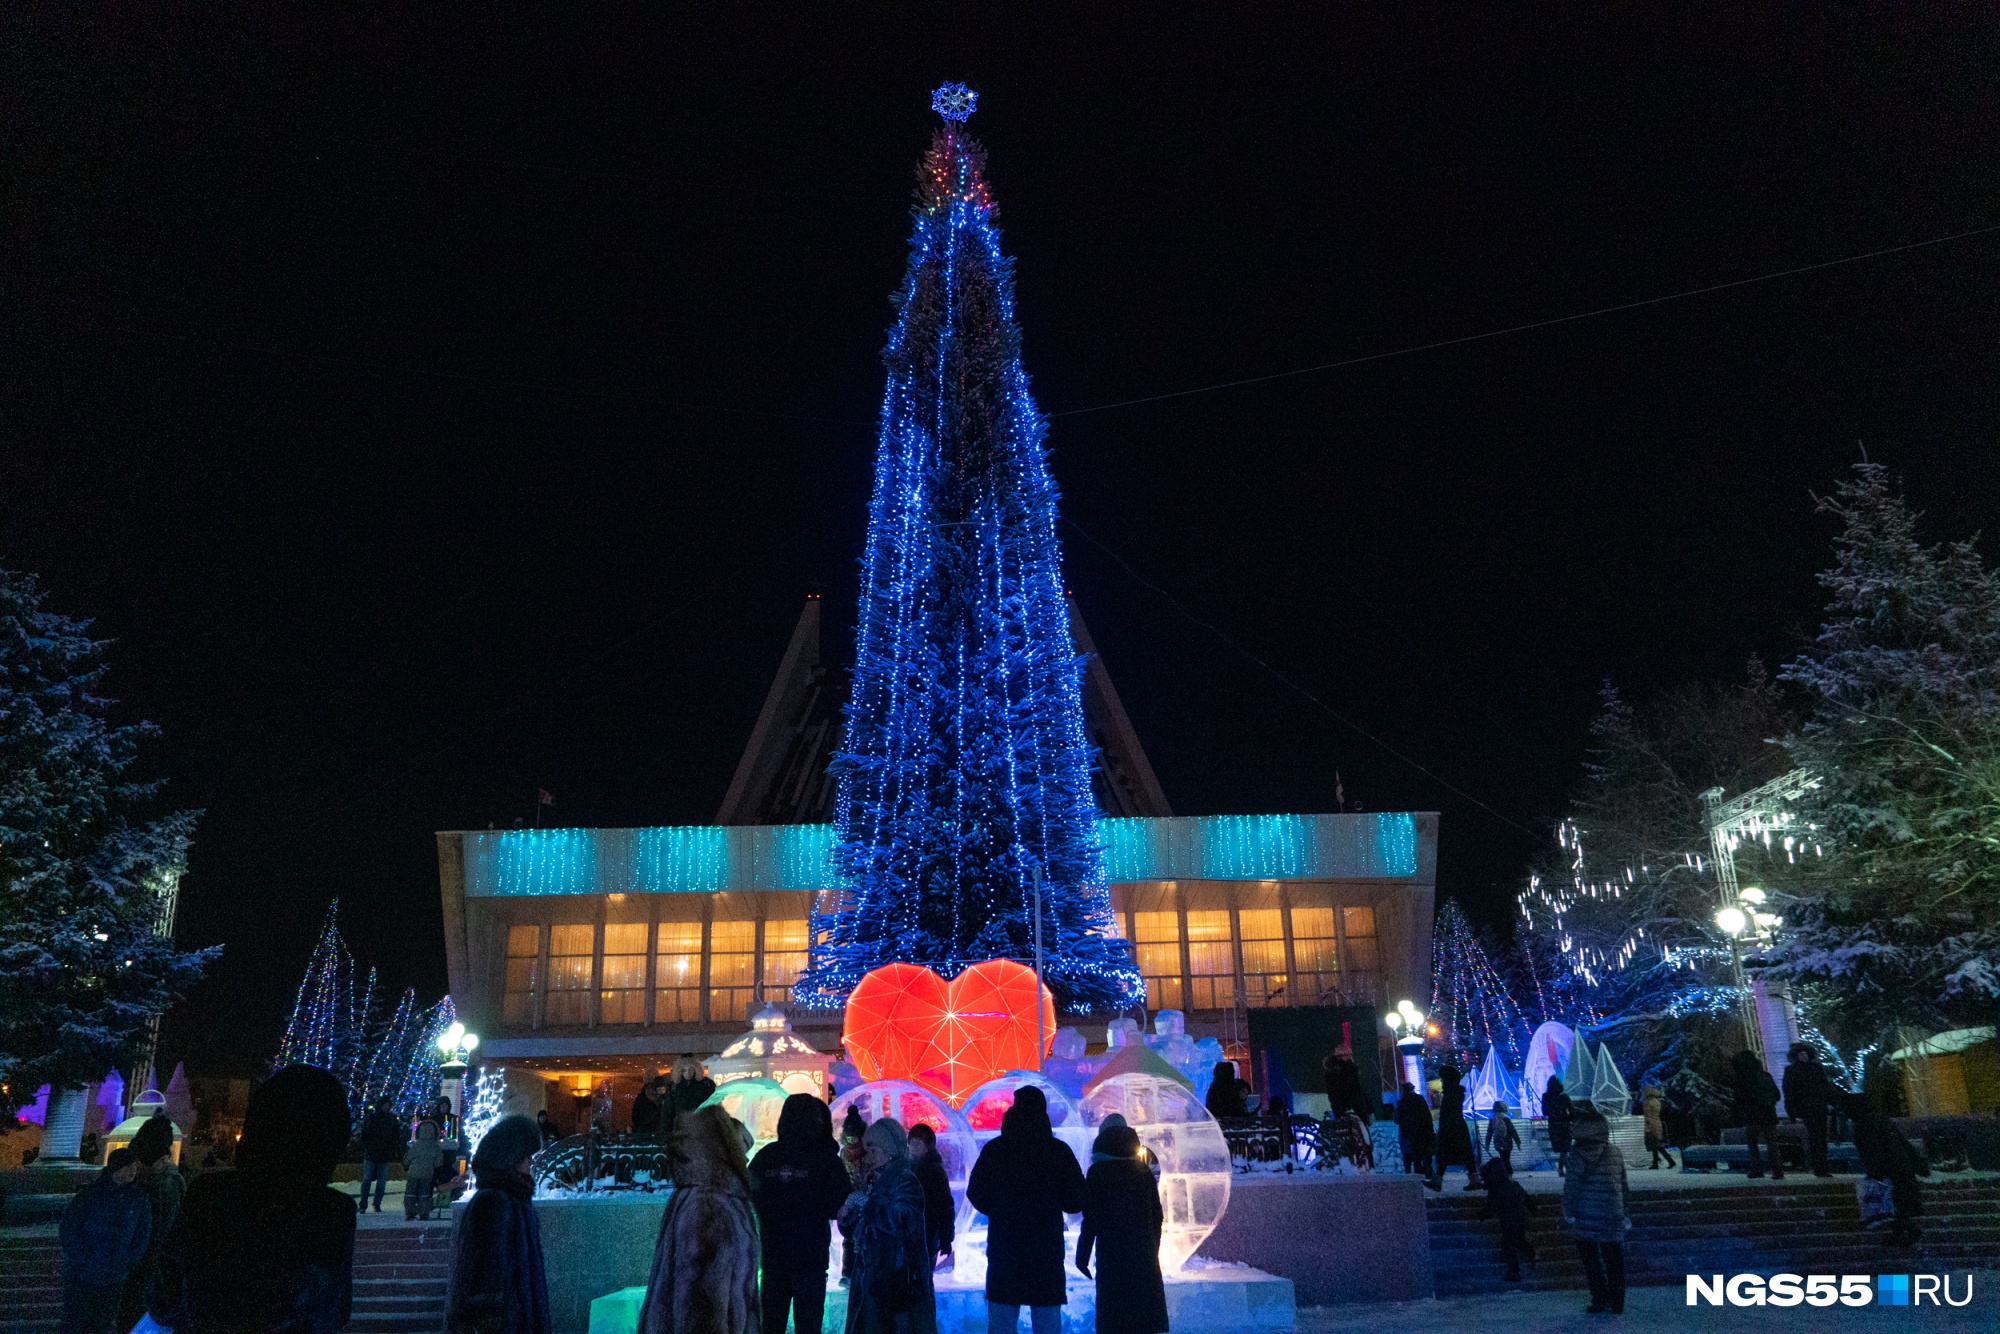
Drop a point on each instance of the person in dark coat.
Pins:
(797, 1183)
(1414, 1131)
(270, 1245)
(1122, 1220)
(1756, 1096)
(161, 1182)
(382, 1143)
(1454, 1137)
(1593, 1204)
(105, 1228)
(852, 1128)
(498, 1283)
(940, 1210)
(1228, 1096)
(1343, 1086)
(1808, 1097)
(891, 1290)
(1886, 1155)
(1556, 1107)
(1508, 1202)
(646, 1114)
(1501, 1137)
(1024, 1182)
(704, 1276)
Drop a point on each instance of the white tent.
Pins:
(1608, 1090)
(1548, 1054)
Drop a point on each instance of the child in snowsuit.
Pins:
(1508, 1202)
(1501, 1137)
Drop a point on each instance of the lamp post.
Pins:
(456, 1044)
(1406, 1023)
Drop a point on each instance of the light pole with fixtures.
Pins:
(1406, 1025)
(456, 1044)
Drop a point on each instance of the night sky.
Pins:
(437, 406)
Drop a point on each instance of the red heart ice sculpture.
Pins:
(906, 1022)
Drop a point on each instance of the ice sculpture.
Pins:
(1121, 1033)
(1069, 1068)
(770, 1050)
(754, 1102)
(1207, 1053)
(1578, 1075)
(912, 1104)
(1608, 1091)
(1185, 1144)
(1489, 1084)
(985, 1105)
(1548, 1054)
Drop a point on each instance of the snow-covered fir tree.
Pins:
(86, 863)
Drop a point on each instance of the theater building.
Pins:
(589, 955)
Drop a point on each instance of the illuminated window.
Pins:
(784, 957)
(622, 995)
(1157, 938)
(524, 961)
(732, 969)
(1316, 950)
(1211, 961)
(1359, 926)
(1264, 979)
(677, 974)
(570, 952)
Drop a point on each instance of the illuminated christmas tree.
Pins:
(1470, 1002)
(329, 1015)
(965, 768)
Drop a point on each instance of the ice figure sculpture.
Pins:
(912, 1104)
(1121, 1033)
(985, 1105)
(1069, 1068)
(1578, 1075)
(1608, 1091)
(1489, 1084)
(1171, 1042)
(1548, 1054)
(1207, 1054)
(1186, 1145)
(754, 1102)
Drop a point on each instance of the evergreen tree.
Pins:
(1904, 733)
(85, 872)
(1471, 1003)
(965, 766)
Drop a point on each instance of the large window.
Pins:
(1157, 938)
(1316, 949)
(1264, 979)
(1358, 924)
(784, 957)
(1211, 961)
(571, 949)
(622, 995)
(524, 963)
(677, 974)
(732, 969)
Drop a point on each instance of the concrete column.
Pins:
(62, 1129)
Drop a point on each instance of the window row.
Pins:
(743, 971)
(1190, 959)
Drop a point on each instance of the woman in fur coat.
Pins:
(498, 1283)
(890, 1290)
(704, 1277)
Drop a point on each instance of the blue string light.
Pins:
(965, 765)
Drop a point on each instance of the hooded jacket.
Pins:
(798, 1184)
(1594, 1183)
(1024, 1182)
(105, 1228)
(498, 1283)
(1122, 1219)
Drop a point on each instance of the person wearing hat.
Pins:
(1024, 1182)
(269, 1246)
(1122, 1220)
(105, 1229)
(498, 1282)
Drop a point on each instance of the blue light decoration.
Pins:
(965, 767)
(708, 859)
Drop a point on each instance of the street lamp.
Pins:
(1407, 1021)
(456, 1045)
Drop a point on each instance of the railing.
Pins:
(599, 1164)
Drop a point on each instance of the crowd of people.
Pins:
(744, 1244)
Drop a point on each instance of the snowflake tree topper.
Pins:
(954, 101)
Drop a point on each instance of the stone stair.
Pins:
(1800, 1225)
(30, 1279)
(400, 1275)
